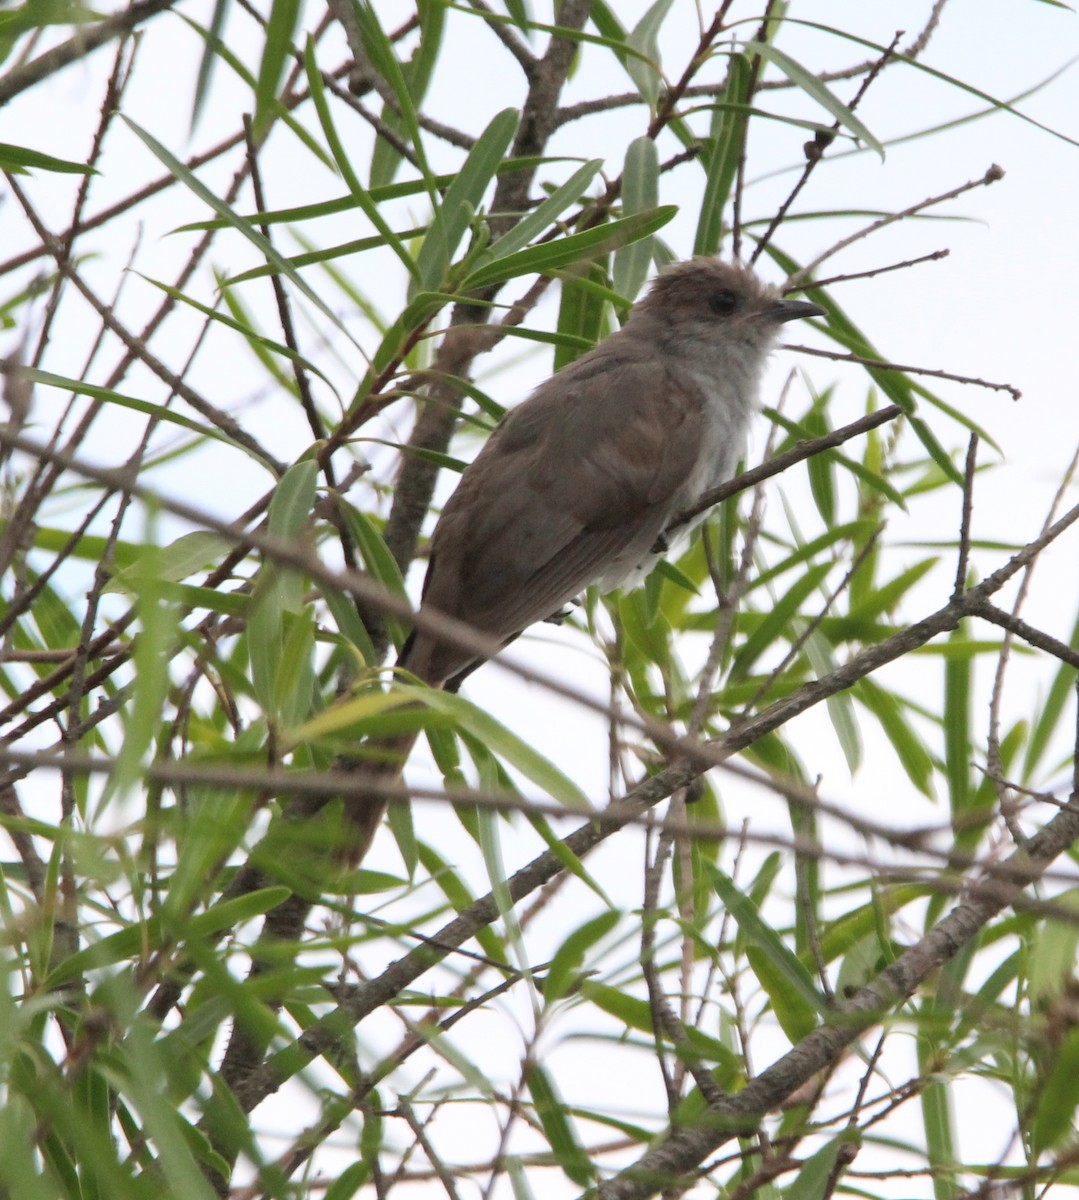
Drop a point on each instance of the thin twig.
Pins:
(968, 508)
(816, 148)
(992, 175)
(882, 365)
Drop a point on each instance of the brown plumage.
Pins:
(577, 485)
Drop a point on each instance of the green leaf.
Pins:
(576, 247)
(720, 160)
(158, 411)
(821, 467)
(284, 17)
(294, 681)
(457, 893)
(1053, 952)
(233, 220)
(777, 622)
(840, 706)
(957, 729)
(551, 1110)
(244, 327)
(353, 714)
(417, 72)
(582, 313)
(568, 958)
(159, 620)
(632, 1011)
(795, 998)
(208, 60)
(645, 70)
(1059, 1096)
(640, 193)
(811, 1182)
(545, 214)
(383, 58)
(17, 158)
(1053, 710)
(349, 1181)
(281, 112)
(380, 563)
(189, 553)
(278, 590)
(908, 745)
(813, 87)
(344, 164)
(461, 202)
(499, 740)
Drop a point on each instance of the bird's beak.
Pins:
(792, 310)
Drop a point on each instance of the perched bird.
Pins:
(579, 484)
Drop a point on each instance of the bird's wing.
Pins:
(575, 479)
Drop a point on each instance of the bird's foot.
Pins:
(560, 616)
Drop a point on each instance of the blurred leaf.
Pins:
(280, 111)
(575, 247)
(241, 323)
(722, 151)
(644, 38)
(1053, 710)
(282, 23)
(278, 590)
(505, 744)
(383, 58)
(208, 60)
(380, 563)
(569, 957)
(552, 1114)
(354, 713)
(159, 621)
(812, 1181)
(821, 467)
(910, 748)
(457, 893)
(813, 87)
(1059, 1096)
(359, 193)
(158, 411)
(17, 158)
(640, 193)
(1054, 952)
(795, 998)
(776, 625)
(189, 553)
(232, 219)
(349, 1181)
(581, 317)
(417, 72)
(958, 751)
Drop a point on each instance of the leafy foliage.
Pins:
(206, 553)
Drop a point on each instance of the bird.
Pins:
(584, 482)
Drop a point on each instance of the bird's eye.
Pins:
(723, 302)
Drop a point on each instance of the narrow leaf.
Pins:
(575, 247)
(640, 193)
(284, 17)
(551, 1111)
(813, 87)
(462, 200)
(16, 158)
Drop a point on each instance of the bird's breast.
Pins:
(727, 406)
